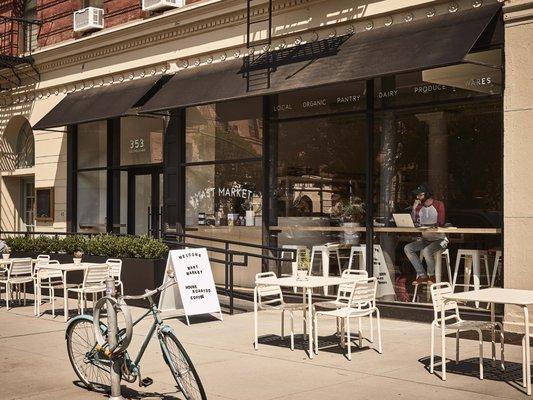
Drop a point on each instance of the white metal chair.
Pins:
(270, 297)
(115, 271)
(285, 253)
(93, 282)
(50, 280)
(454, 322)
(362, 303)
(19, 272)
(440, 255)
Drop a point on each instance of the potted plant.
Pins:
(6, 252)
(303, 265)
(351, 214)
(77, 257)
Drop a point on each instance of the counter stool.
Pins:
(441, 255)
(325, 251)
(294, 264)
(472, 259)
(358, 251)
(497, 267)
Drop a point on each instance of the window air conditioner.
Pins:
(152, 5)
(88, 19)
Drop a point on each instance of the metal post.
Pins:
(116, 359)
(231, 284)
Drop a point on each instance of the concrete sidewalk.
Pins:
(34, 363)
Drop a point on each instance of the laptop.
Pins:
(403, 220)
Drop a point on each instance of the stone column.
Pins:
(517, 151)
(437, 152)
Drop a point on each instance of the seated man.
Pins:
(427, 212)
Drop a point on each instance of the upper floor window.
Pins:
(25, 147)
(93, 3)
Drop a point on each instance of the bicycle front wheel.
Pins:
(91, 366)
(182, 368)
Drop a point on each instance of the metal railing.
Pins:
(231, 260)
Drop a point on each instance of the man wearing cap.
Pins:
(427, 212)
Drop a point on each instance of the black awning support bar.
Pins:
(483, 64)
(52, 130)
(8, 79)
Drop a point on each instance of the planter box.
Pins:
(137, 274)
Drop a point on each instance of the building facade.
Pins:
(298, 122)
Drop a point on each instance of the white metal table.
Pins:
(307, 285)
(518, 297)
(65, 268)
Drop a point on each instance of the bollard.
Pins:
(116, 359)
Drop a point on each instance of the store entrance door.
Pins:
(145, 201)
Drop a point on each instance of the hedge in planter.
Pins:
(104, 245)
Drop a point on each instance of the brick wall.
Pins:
(57, 18)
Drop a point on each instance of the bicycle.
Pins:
(90, 353)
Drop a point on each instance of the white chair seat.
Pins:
(330, 305)
(16, 280)
(348, 312)
(89, 289)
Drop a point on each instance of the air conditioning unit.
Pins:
(153, 5)
(88, 19)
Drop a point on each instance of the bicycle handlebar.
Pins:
(149, 293)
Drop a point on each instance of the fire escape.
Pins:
(257, 68)
(18, 38)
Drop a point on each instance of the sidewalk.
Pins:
(34, 363)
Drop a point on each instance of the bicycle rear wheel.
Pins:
(91, 367)
(182, 368)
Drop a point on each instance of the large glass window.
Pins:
(438, 163)
(141, 140)
(92, 201)
(92, 144)
(223, 172)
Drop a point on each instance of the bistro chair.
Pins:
(270, 297)
(453, 321)
(19, 272)
(325, 251)
(48, 279)
(286, 253)
(115, 271)
(93, 282)
(361, 303)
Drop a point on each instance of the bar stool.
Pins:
(358, 251)
(326, 251)
(294, 264)
(497, 267)
(472, 260)
(440, 255)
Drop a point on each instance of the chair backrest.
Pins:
(115, 267)
(268, 295)
(43, 257)
(95, 275)
(364, 293)
(344, 293)
(20, 267)
(438, 291)
(47, 273)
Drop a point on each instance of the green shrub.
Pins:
(104, 245)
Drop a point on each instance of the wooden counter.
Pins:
(387, 229)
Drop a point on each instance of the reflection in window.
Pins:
(223, 194)
(25, 147)
(224, 131)
(92, 201)
(92, 144)
(30, 31)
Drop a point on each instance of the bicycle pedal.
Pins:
(147, 382)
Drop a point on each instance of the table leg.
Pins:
(528, 355)
(443, 340)
(305, 317)
(65, 296)
(310, 324)
(438, 268)
(493, 333)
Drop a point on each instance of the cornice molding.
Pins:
(518, 12)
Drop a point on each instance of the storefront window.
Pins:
(141, 140)
(92, 144)
(224, 172)
(92, 201)
(224, 131)
(451, 151)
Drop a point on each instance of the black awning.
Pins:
(99, 104)
(432, 42)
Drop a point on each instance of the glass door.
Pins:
(145, 202)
